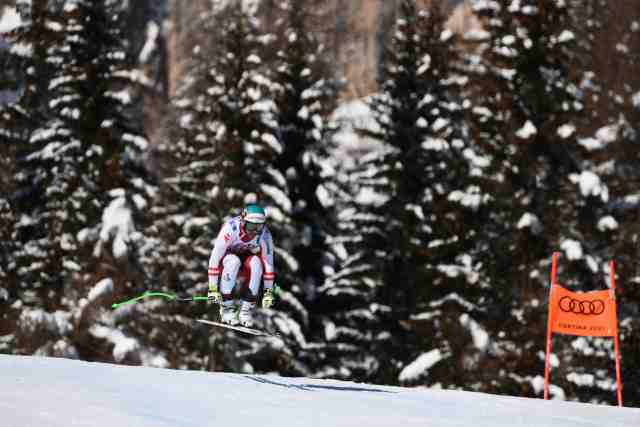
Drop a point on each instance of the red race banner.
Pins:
(589, 314)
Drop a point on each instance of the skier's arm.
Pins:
(219, 249)
(266, 254)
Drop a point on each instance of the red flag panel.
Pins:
(586, 314)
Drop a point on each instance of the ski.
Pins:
(252, 331)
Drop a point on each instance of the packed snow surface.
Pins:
(39, 392)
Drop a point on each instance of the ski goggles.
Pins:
(253, 227)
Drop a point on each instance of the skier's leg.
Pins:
(252, 267)
(230, 267)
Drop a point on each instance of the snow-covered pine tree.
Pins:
(614, 87)
(408, 267)
(26, 44)
(305, 98)
(31, 42)
(548, 194)
(77, 228)
(7, 276)
(12, 131)
(226, 106)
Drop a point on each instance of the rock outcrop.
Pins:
(353, 33)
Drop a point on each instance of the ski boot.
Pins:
(246, 313)
(229, 312)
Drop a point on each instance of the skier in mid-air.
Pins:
(243, 255)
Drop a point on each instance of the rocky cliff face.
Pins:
(360, 30)
(353, 33)
(181, 36)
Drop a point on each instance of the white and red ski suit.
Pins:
(237, 256)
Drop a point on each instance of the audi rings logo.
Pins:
(587, 308)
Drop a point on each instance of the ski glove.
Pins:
(214, 294)
(267, 298)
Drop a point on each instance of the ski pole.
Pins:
(166, 295)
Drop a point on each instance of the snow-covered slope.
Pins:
(47, 392)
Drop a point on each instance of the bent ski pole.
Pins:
(166, 295)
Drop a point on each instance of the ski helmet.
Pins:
(253, 217)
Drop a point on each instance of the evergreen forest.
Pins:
(419, 258)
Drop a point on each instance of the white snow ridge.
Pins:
(39, 391)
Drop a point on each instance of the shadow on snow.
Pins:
(313, 387)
